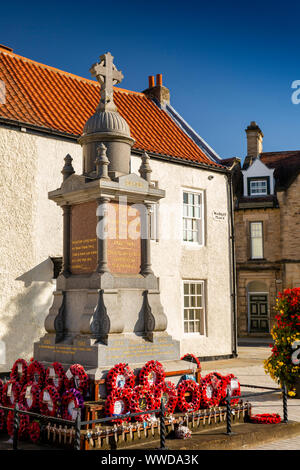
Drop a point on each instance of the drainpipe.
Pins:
(232, 264)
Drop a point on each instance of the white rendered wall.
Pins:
(30, 232)
(173, 260)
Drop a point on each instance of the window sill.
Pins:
(193, 245)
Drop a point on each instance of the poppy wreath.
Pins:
(69, 396)
(211, 391)
(234, 391)
(120, 376)
(79, 373)
(220, 382)
(2, 420)
(55, 399)
(34, 431)
(60, 378)
(142, 399)
(167, 390)
(152, 374)
(1, 390)
(16, 375)
(36, 373)
(15, 393)
(192, 387)
(189, 355)
(266, 418)
(34, 402)
(118, 403)
(23, 423)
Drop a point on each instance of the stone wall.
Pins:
(280, 268)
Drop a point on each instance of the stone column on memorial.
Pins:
(102, 219)
(66, 239)
(145, 242)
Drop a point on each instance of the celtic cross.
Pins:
(107, 75)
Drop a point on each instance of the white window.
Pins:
(194, 306)
(258, 187)
(193, 223)
(256, 238)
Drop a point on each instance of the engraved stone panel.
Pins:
(83, 238)
(124, 239)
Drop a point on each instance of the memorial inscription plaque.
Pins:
(124, 239)
(83, 238)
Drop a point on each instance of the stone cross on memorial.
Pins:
(107, 75)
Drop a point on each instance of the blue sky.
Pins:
(225, 63)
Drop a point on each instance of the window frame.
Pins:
(202, 319)
(262, 238)
(196, 243)
(258, 178)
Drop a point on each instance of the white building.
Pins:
(42, 114)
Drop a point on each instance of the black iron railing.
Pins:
(78, 423)
(270, 391)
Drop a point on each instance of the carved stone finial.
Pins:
(145, 170)
(102, 162)
(68, 169)
(107, 75)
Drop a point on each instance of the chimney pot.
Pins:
(151, 81)
(159, 79)
(254, 140)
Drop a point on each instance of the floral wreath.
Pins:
(23, 426)
(140, 393)
(15, 393)
(120, 376)
(188, 355)
(60, 376)
(71, 395)
(15, 375)
(152, 374)
(234, 391)
(1, 390)
(55, 399)
(77, 371)
(34, 431)
(2, 419)
(192, 387)
(219, 381)
(211, 391)
(120, 397)
(266, 418)
(34, 396)
(36, 373)
(166, 389)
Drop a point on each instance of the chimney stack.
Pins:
(254, 140)
(157, 92)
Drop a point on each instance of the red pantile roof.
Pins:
(46, 97)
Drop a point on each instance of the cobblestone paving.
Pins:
(248, 367)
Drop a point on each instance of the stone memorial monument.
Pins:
(106, 307)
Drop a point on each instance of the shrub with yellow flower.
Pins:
(285, 332)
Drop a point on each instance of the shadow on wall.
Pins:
(43, 272)
(31, 307)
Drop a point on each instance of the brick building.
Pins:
(267, 231)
